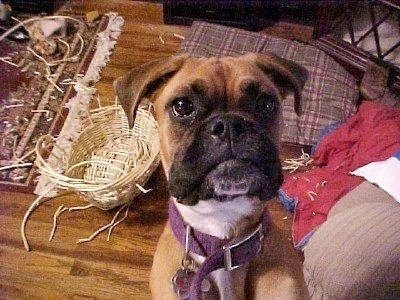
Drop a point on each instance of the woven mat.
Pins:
(31, 106)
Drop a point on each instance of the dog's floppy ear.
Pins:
(143, 80)
(285, 73)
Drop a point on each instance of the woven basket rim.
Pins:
(138, 173)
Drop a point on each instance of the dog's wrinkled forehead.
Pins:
(169, 75)
(219, 81)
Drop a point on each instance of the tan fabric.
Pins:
(366, 192)
(355, 254)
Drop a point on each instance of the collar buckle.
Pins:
(257, 236)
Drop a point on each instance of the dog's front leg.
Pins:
(167, 260)
(277, 272)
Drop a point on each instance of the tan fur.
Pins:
(276, 273)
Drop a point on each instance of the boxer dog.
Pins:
(219, 123)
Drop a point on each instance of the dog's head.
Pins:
(219, 121)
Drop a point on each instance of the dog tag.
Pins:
(205, 286)
(181, 282)
(183, 277)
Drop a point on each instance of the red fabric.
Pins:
(373, 134)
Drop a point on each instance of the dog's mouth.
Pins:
(231, 179)
(234, 178)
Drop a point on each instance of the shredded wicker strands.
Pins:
(58, 212)
(15, 166)
(80, 207)
(114, 222)
(142, 189)
(7, 61)
(293, 164)
(57, 62)
(66, 58)
(68, 47)
(118, 222)
(13, 105)
(179, 36)
(39, 200)
(105, 227)
(161, 39)
(311, 195)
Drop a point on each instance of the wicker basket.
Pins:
(108, 163)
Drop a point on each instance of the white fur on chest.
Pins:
(221, 219)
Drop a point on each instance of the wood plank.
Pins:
(73, 277)
(133, 11)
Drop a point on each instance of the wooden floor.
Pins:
(115, 269)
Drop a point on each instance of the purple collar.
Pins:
(219, 253)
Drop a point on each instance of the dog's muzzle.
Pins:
(229, 157)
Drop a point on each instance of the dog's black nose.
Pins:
(226, 126)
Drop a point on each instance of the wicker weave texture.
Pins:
(109, 162)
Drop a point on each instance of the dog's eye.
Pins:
(266, 103)
(182, 107)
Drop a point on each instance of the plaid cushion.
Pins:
(330, 92)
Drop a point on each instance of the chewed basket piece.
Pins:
(109, 163)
